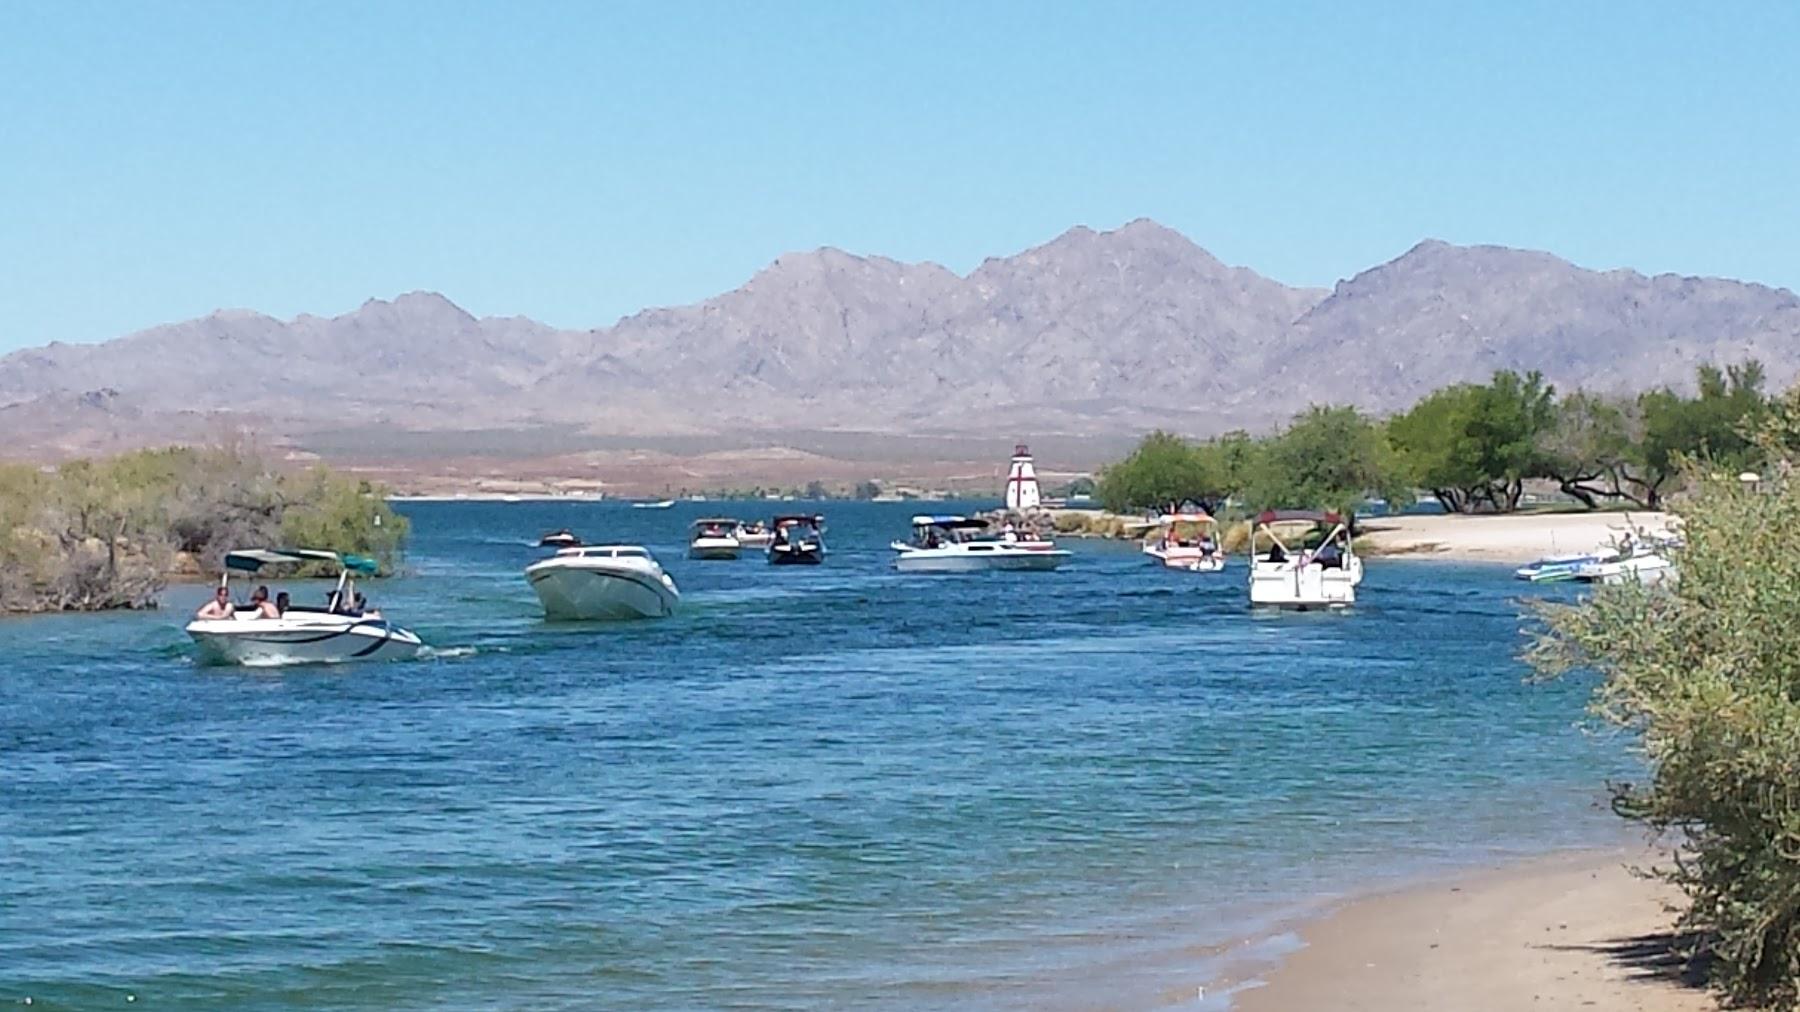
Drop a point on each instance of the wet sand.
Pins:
(1571, 931)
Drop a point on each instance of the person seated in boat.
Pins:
(219, 607)
(259, 600)
(1277, 553)
(364, 609)
(281, 603)
(1330, 555)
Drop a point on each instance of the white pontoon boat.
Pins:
(591, 582)
(333, 634)
(954, 544)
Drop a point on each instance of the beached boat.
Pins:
(1187, 541)
(592, 582)
(956, 544)
(1294, 577)
(1647, 566)
(1558, 568)
(797, 540)
(714, 538)
(339, 632)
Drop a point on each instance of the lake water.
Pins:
(813, 788)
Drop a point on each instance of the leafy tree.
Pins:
(330, 511)
(1165, 470)
(1329, 458)
(1708, 671)
(1474, 446)
(1590, 448)
(867, 489)
(1436, 449)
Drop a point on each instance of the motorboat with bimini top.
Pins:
(264, 634)
(752, 534)
(1324, 576)
(598, 582)
(1187, 541)
(956, 544)
(714, 538)
(798, 540)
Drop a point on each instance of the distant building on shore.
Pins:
(1022, 494)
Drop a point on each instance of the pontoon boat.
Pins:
(954, 544)
(590, 582)
(302, 635)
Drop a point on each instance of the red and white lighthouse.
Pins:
(1022, 494)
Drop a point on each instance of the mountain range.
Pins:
(1092, 333)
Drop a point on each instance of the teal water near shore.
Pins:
(813, 788)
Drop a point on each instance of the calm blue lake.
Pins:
(813, 788)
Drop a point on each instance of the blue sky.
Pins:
(576, 162)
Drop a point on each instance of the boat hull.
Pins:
(1287, 585)
(793, 555)
(714, 549)
(575, 594)
(936, 560)
(275, 642)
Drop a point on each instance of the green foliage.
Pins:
(1715, 425)
(1709, 672)
(95, 534)
(1165, 469)
(1329, 458)
(327, 510)
(1474, 446)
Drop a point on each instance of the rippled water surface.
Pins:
(813, 788)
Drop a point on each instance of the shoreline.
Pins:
(1515, 538)
(1571, 929)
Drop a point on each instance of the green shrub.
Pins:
(1708, 672)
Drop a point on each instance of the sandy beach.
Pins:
(1575, 930)
(1516, 538)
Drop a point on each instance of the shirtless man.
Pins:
(219, 607)
(259, 599)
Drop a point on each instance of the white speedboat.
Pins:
(591, 582)
(1557, 568)
(1187, 541)
(1325, 577)
(338, 632)
(1642, 560)
(797, 540)
(714, 538)
(660, 504)
(752, 534)
(954, 544)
